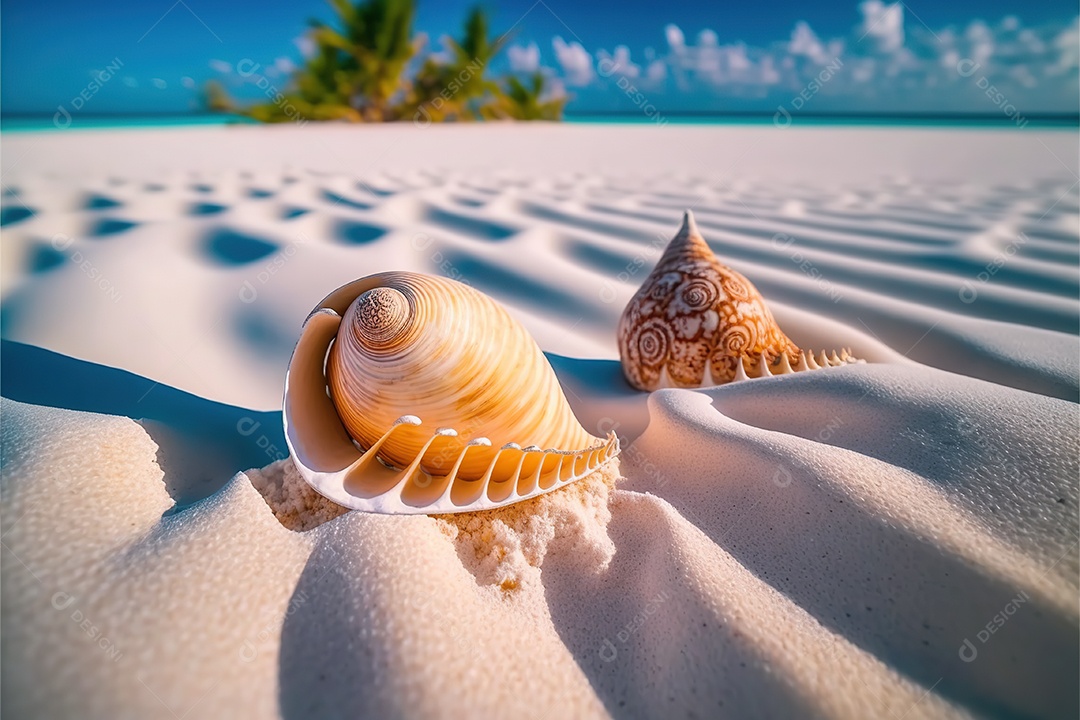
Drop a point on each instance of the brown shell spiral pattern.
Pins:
(694, 321)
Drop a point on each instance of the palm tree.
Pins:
(458, 89)
(360, 65)
(357, 73)
(527, 102)
(215, 98)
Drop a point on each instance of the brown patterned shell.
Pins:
(697, 322)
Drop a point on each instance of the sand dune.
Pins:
(891, 539)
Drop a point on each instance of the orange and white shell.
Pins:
(697, 322)
(408, 393)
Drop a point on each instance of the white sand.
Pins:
(837, 543)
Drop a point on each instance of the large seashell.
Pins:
(697, 322)
(408, 393)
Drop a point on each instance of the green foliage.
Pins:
(527, 102)
(357, 73)
(458, 89)
(215, 98)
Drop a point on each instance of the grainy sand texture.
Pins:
(891, 539)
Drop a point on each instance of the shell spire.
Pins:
(409, 393)
(696, 322)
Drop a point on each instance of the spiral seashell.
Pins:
(409, 393)
(697, 322)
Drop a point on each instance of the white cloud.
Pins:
(221, 66)
(305, 45)
(769, 73)
(880, 65)
(159, 83)
(575, 61)
(737, 61)
(656, 72)
(708, 59)
(805, 43)
(524, 58)
(1067, 46)
(884, 24)
(675, 37)
(617, 62)
(187, 82)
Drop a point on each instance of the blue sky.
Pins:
(617, 55)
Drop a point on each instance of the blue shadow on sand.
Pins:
(12, 214)
(202, 443)
(469, 225)
(206, 208)
(229, 247)
(109, 226)
(100, 202)
(357, 233)
(335, 199)
(43, 257)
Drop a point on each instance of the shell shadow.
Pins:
(601, 398)
(201, 443)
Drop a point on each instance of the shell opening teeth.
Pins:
(480, 441)
(407, 420)
(446, 432)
